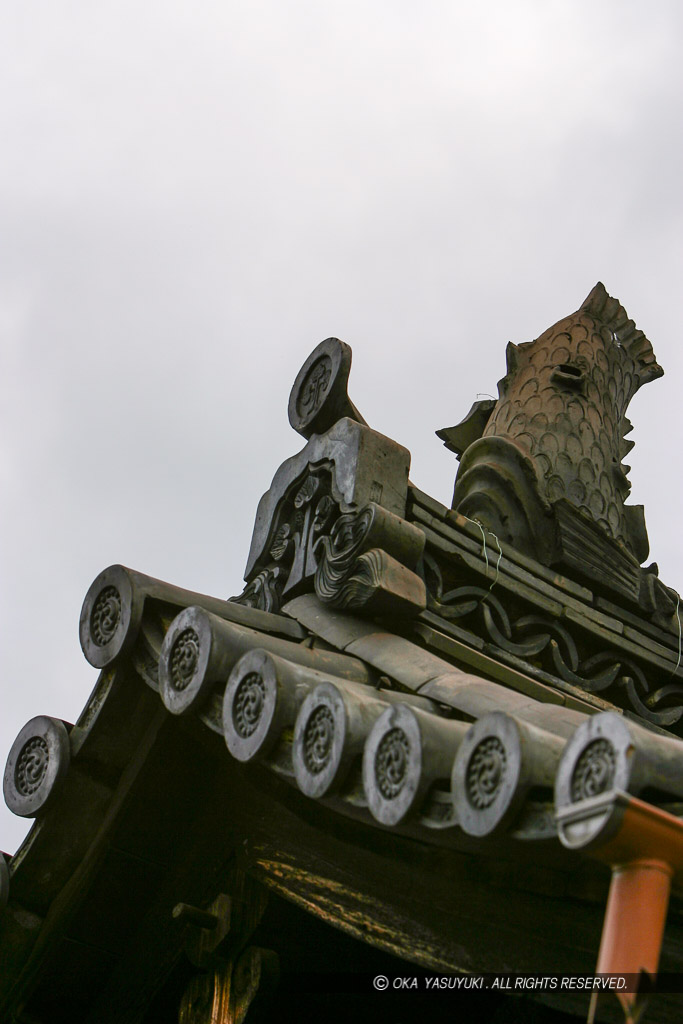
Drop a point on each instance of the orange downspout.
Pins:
(634, 925)
(644, 848)
(635, 917)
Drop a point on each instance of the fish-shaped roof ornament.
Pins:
(546, 457)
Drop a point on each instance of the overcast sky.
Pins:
(193, 195)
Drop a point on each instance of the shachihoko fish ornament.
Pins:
(557, 434)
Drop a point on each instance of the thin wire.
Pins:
(500, 555)
(678, 619)
(484, 550)
(483, 547)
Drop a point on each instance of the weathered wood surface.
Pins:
(153, 811)
(485, 909)
(181, 814)
(226, 995)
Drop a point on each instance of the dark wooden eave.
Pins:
(154, 811)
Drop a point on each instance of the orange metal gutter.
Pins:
(644, 847)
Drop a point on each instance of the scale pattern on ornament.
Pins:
(558, 432)
(565, 401)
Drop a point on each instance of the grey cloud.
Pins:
(192, 198)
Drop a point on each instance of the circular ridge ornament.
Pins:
(110, 616)
(319, 394)
(250, 706)
(392, 765)
(487, 781)
(594, 770)
(319, 739)
(37, 761)
(598, 758)
(485, 772)
(184, 682)
(105, 616)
